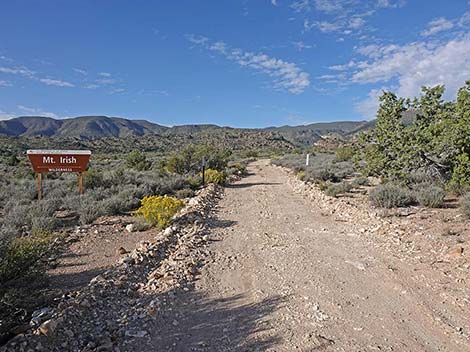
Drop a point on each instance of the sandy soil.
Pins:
(284, 276)
(93, 249)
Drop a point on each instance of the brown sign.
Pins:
(59, 160)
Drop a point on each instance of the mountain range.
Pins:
(95, 127)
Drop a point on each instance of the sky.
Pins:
(240, 63)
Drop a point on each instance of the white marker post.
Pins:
(307, 160)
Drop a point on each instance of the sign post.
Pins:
(203, 170)
(39, 186)
(307, 160)
(44, 161)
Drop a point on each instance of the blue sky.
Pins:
(243, 63)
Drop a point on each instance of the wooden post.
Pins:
(203, 170)
(80, 183)
(39, 186)
(307, 160)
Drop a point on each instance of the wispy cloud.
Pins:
(81, 71)
(6, 115)
(5, 83)
(104, 74)
(55, 82)
(406, 68)
(442, 24)
(30, 74)
(300, 45)
(91, 86)
(286, 75)
(106, 81)
(22, 71)
(340, 16)
(301, 6)
(274, 2)
(36, 111)
(391, 3)
(437, 25)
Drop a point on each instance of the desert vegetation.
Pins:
(416, 161)
(151, 186)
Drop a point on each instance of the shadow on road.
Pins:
(251, 184)
(226, 324)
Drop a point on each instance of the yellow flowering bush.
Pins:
(214, 176)
(158, 210)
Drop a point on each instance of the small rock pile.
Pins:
(118, 305)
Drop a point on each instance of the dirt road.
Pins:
(284, 277)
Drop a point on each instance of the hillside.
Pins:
(96, 127)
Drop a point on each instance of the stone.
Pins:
(130, 227)
(48, 327)
(122, 251)
(138, 333)
(456, 252)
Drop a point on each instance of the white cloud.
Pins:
(5, 83)
(329, 6)
(104, 74)
(117, 90)
(390, 3)
(409, 67)
(27, 73)
(80, 71)
(437, 25)
(274, 2)
(301, 6)
(369, 106)
(197, 39)
(22, 71)
(418, 64)
(91, 86)
(37, 112)
(323, 26)
(55, 82)
(6, 115)
(356, 22)
(286, 75)
(105, 81)
(301, 45)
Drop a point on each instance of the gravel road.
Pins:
(283, 277)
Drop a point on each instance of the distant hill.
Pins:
(309, 134)
(95, 127)
(81, 127)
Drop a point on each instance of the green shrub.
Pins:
(465, 205)
(214, 176)
(22, 253)
(322, 185)
(158, 210)
(344, 153)
(138, 161)
(239, 169)
(189, 159)
(301, 175)
(391, 196)
(194, 182)
(430, 196)
(92, 179)
(89, 211)
(324, 175)
(184, 193)
(12, 160)
(360, 181)
(335, 189)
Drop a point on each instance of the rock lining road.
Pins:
(283, 277)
